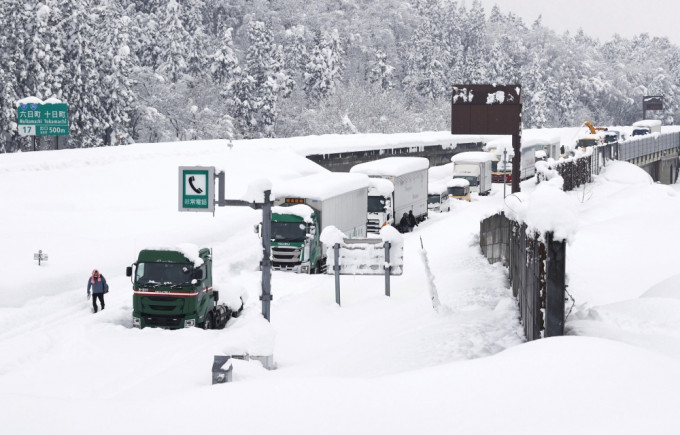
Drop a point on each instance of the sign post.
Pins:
(197, 193)
(40, 256)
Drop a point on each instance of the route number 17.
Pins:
(27, 130)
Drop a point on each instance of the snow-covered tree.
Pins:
(263, 82)
(381, 72)
(325, 66)
(174, 44)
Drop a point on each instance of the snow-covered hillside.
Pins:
(374, 365)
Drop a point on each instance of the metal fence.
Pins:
(537, 272)
(537, 262)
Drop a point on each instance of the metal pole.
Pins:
(336, 268)
(266, 256)
(505, 168)
(387, 269)
(555, 286)
(516, 159)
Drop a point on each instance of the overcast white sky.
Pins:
(598, 18)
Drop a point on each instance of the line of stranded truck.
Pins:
(173, 288)
(475, 167)
(398, 185)
(304, 206)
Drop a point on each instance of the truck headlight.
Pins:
(190, 323)
(136, 322)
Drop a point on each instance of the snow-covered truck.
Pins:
(527, 163)
(304, 206)
(475, 167)
(458, 188)
(438, 196)
(409, 178)
(173, 289)
(654, 125)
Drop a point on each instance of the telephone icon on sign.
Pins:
(191, 184)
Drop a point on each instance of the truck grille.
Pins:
(162, 304)
(373, 226)
(286, 256)
(164, 321)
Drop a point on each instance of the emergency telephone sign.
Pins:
(196, 184)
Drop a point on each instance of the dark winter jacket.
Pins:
(403, 224)
(98, 285)
(412, 222)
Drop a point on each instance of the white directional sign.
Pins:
(196, 185)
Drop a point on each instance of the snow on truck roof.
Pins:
(436, 187)
(392, 166)
(381, 186)
(473, 156)
(530, 138)
(458, 182)
(302, 210)
(647, 123)
(320, 186)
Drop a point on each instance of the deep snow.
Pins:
(375, 365)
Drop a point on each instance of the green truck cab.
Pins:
(173, 289)
(295, 239)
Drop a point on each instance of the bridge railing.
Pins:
(579, 170)
(641, 146)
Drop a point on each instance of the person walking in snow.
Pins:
(403, 224)
(412, 222)
(98, 284)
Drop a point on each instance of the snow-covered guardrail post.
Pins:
(336, 269)
(387, 267)
(221, 369)
(372, 256)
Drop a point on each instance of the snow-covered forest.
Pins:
(159, 70)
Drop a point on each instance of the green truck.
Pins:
(173, 289)
(304, 207)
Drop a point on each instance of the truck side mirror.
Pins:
(312, 230)
(197, 274)
(128, 271)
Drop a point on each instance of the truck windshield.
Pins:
(376, 204)
(289, 231)
(164, 273)
(434, 199)
(457, 191)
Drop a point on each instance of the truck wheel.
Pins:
(207, 324)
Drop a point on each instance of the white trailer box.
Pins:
(475, 167)
(409, 176)
(338, 198)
